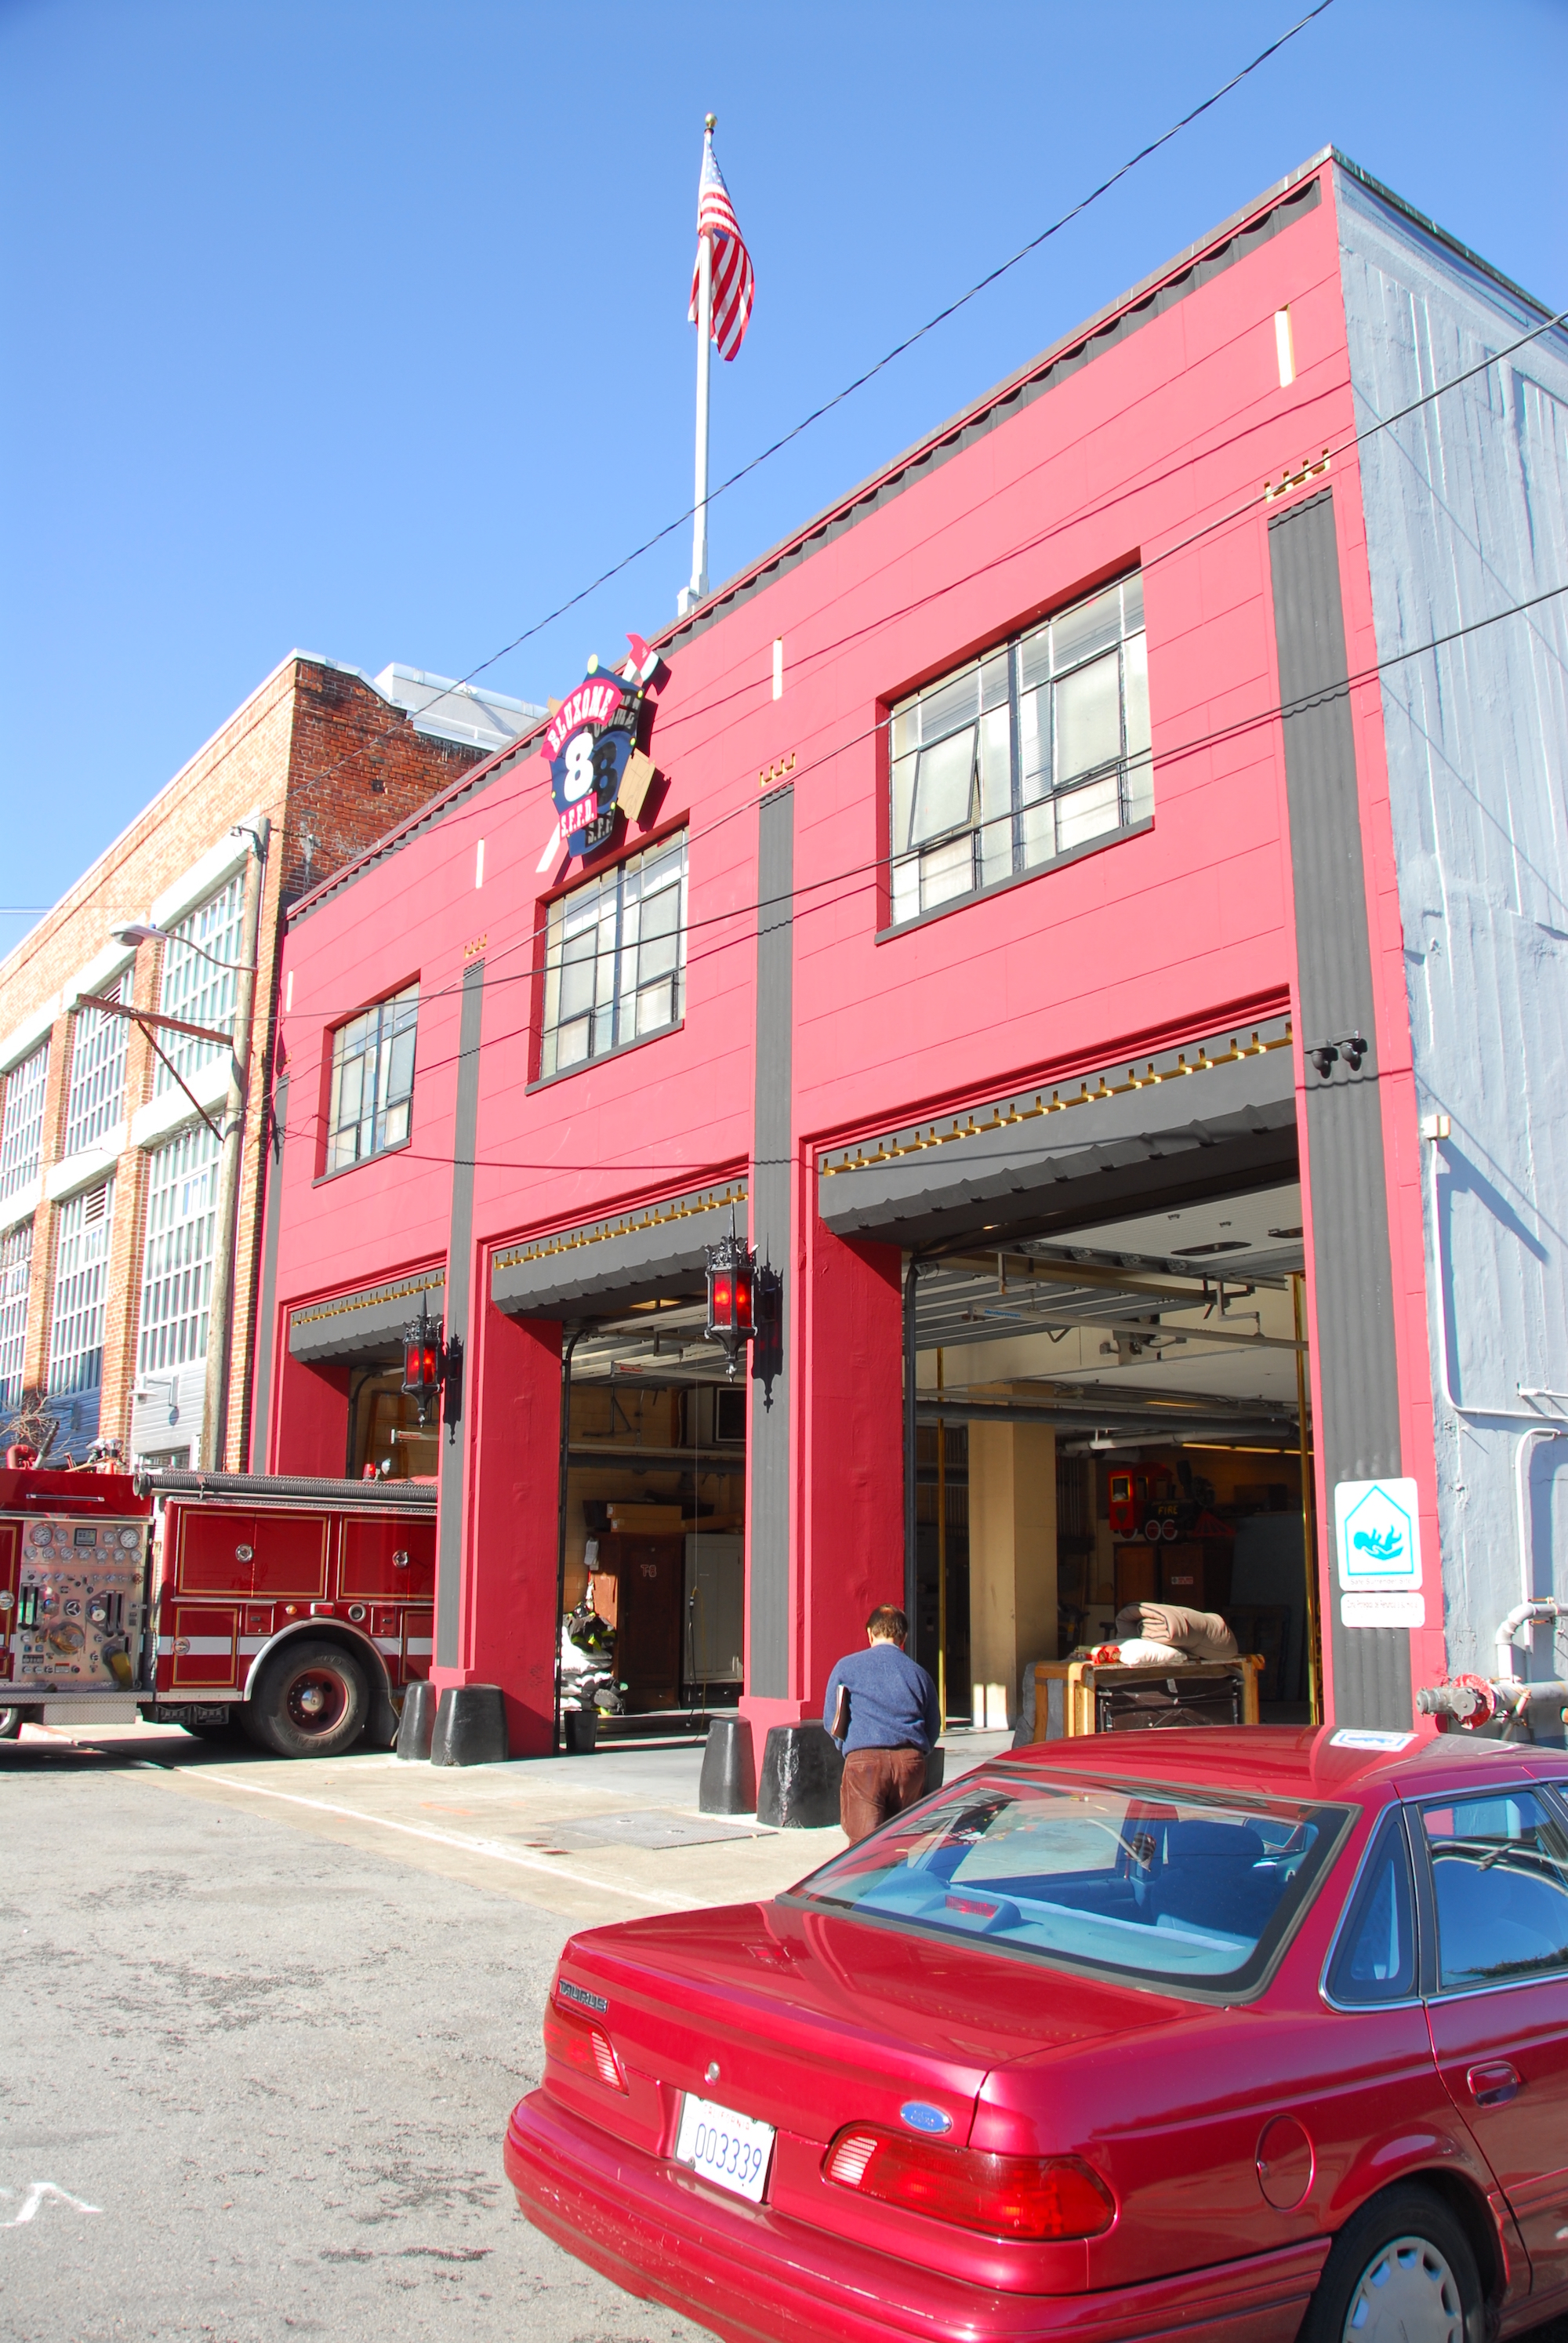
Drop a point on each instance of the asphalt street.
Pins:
(261, 2026)
(277, 2068)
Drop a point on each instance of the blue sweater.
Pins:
(892, 1700)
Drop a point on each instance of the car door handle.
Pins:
(1494, 2085)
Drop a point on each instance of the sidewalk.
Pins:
(597, 1839)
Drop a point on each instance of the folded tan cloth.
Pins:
(1202, 1635)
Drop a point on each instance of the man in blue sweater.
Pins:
(881, 1710)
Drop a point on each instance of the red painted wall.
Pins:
(1155, 452)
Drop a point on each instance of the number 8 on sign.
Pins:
(579, 764)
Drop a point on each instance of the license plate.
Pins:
(732, 2150)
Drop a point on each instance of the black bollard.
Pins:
(417, 1723)
(727, 1786)
(470, 1727)
(798, 1788)
(581, 1727)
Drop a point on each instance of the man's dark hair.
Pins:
(887, 1620)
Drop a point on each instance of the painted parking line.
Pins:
(37, 2190)
(486, 1846)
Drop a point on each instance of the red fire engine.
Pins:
(299, 1608)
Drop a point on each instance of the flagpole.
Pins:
(699, 586)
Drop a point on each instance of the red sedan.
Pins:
(1244, 2034)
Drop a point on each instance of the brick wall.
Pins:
(333, 766)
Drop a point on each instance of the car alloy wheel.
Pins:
(1406, 2294)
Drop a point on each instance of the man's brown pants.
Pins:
(879, 1784)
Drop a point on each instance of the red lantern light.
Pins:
(731, 1295)
(422, 1360)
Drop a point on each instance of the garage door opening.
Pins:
(1114, 1415)
(652, 1526)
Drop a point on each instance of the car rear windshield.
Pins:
(1186, 1890)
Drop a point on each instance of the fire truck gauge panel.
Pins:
(78, 1608)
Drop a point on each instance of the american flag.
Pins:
(734, 283)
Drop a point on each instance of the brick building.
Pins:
(109, 1150)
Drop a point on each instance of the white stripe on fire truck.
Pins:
(419, 1647)
(197, 1647)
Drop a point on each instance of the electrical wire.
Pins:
(1016, 552)
(864, 874)
(828, 405)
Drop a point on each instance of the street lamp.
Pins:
(142, 932)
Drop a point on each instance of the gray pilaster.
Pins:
(1358, 1436)
(459, 1277)
(267, 1303)
(771, 1198)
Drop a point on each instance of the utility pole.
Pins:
(231, 1163)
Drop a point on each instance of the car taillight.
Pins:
(578, 2042)
(1037, 2197)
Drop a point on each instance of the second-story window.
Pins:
(15, 1278)
(198, 987)
(176, 1262)
(372, 1080)
(1023, 756)
(615, 958)
(97, 1092)
(22, 1129)
(81, 1263)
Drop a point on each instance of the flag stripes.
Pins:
(734, 280)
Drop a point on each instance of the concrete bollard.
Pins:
(417, 1723)
(470, 1727)
(798, 1786)
(727, 1786)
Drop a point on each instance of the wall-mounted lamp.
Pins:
(433, 1369)
(1351, 1047)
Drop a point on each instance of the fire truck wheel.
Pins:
(311, 1700)
(10, 1724)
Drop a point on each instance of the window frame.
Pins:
(1392, 1818)
(14, 1177)
(408, 988)
(643, 852)
(1553, 1795)
(113, 1033)
(1131, 768)
(196, 1136)
(200, 990)
(97, 1301)
(14, 1256)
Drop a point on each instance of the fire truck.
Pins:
(298, 1609)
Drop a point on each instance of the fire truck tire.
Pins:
(10, 1724)
(311, 1700)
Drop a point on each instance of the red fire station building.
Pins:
(1043, 905)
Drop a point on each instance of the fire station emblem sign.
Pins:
(590, 740)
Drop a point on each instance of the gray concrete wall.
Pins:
(1466, 505)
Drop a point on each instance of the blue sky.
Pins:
(362, 327)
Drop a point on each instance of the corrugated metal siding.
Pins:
(1466, 506)
(1358, 1434)
(768, 1672)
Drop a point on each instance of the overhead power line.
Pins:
(862, 874)
(949, 309)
